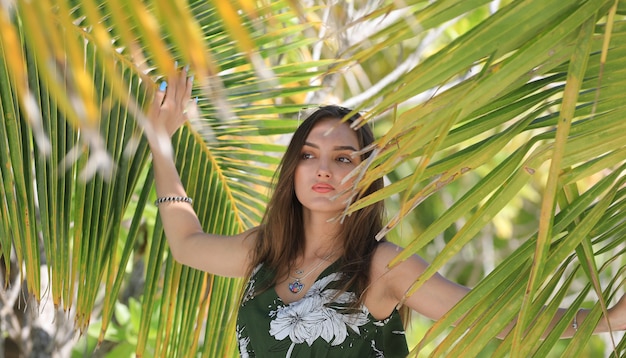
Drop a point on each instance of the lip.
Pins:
(322, 188)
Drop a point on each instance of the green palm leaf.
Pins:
(75, 75)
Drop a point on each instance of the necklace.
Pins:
(296, 286)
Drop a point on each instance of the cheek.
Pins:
(343, 172)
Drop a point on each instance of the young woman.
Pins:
(317, 286)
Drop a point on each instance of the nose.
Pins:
(322, 170)
(323, 174)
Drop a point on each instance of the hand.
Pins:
(167, 111)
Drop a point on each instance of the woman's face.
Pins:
(325, 159)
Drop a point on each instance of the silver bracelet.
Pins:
(174, 199)
(575, 322)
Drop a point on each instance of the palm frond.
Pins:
(74, 77)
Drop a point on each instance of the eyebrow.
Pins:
(339, 147)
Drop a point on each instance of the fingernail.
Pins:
(186, 68)
(175, 64)
(163, 86)
(196, 100)
(191, 78)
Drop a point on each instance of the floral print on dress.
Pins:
(316, 315)
(249, 291)
(243, 343)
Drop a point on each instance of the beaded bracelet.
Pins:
(174, 199)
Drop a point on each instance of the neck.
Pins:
(321, 235)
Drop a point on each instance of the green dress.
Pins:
(320, 324)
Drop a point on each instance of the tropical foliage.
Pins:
(476, 102)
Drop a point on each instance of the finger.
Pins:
(189, 87)
(181, 96)
(157, 100)
(171, 91)
(192, 109)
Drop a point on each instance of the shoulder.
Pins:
(388, 285)
(386, 251)
(398, 278)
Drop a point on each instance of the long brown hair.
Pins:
(281, 233)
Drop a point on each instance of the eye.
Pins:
(344, 159)
(306, 156)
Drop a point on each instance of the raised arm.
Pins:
(438, 295)
(189, 244)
